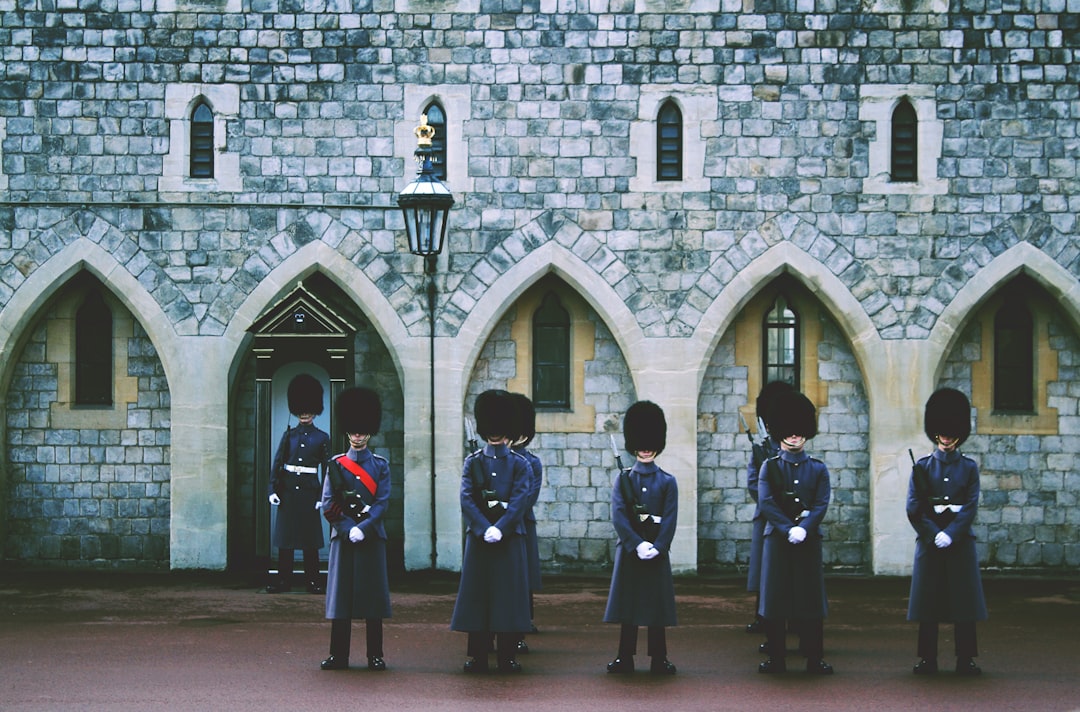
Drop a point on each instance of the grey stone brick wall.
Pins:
(89, 497)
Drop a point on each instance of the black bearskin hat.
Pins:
(358, 411)
(305, 395)
(948, 412)
(644, 428)
(792, 413)
(525, 418)
(768, 394)
(495, 414)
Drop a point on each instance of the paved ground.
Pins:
(79, 641)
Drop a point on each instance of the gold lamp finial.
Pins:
(424, 132)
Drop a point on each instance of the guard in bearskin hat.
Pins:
(493, 594)
(295, 485)
(793, 493)
(644, 512)
(942, 501)
(525, 417)
(762, 450)
(355, 497)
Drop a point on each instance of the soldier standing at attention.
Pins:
(355, 496)
(526, 420)
(768, 447)
(942, 501)
(295, 487)
(794, 493)
(644, 511)
(493, 594)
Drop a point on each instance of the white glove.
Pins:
(796, 535)
(492, 535)
(318, 506)
(356, 535)
(942, 540)
(274, 499)
(652, 553)
(643, 550)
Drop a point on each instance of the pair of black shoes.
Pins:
(625, 666)
(773, 666)
(475, 666)
(965, 667)
(335, 662)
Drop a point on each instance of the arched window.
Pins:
(551, 355)
(780, 335)
(905, 143)
(202, 141)
(436, 119)
(1014, 358)
(94, 352)
(669, 140)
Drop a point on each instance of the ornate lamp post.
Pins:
(425, 204)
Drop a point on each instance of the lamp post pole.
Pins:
(425, 204)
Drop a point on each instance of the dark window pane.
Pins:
(905, 144)
(202, 142)
(1014, 359)
(781, 344)
(93, 352)
(669, 142)
(551, 355)
(436, 119)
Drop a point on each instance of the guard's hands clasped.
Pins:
(942, 540)
(356, 535)
(492, 535)
(646, 550)
(796, 535)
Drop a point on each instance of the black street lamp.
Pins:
(425, 204)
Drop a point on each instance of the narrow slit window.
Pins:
(202, 142)
(1014, 359)
(94, 352)
(436, 119)
(905, 144)
(669, 142)
(781, 343)
(551, 355)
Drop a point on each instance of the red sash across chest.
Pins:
(359, 472)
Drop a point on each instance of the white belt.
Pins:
(492, 503)
(942, 508)
(646, 517)
(301, 470)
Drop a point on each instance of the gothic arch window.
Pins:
(436, 119)
(1014, 359)
(202, 141)
(905, 143)
(780, 337)
(551, 355)
(94, 352)
(669, 142)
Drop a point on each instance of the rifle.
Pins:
(759, 452)
(641, 520)
(487, 500)
(470, 433)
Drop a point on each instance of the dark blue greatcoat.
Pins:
(757, 534)
(945, 583)
(792, 576)
(532, 544)
(493, 595)
(643, 592)
(356, 581)
(298, 524)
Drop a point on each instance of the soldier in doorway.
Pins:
(644, 511)
(295, 487)
(942, 501)
(526, 420)
(760, 452)
(493, 595)
(793, 492)
(355, 498)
